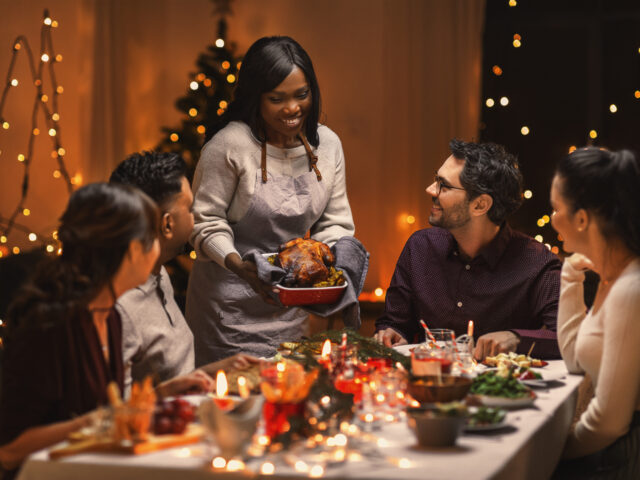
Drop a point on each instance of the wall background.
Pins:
(398, 79)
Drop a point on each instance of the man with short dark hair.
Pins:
(156, 338)
(472, 266)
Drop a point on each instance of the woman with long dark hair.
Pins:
(595, 198)
(64, 338)
(270, 174)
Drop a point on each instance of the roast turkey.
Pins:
(306, 261)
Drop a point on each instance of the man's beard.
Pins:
(455, 216)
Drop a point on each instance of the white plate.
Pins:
(505, 402)
(546, 378)
(486, 427)
(405, 349)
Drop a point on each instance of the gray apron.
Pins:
(225, 314)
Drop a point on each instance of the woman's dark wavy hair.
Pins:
(607, 184)
(266, 64)
(95, 231)
(488, 168)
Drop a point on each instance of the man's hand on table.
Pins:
(195, 382)
(389, 337)
(491, 344)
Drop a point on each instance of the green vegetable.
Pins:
(487, 416)
(490, 384)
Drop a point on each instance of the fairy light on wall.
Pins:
(48, 107)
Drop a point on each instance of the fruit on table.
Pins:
(172, 416)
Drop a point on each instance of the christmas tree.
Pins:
(208, 95)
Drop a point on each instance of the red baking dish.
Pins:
(310, 296)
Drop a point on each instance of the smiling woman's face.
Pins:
(285, 108)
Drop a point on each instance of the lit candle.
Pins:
(470, 329)
(325, 357)
(242, 387)
(222, 401)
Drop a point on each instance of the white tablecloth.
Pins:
(528, 450)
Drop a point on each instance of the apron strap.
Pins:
(263, 162)
(313, 159)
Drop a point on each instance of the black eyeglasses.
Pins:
(442, 183)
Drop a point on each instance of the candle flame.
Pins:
(221, 384)
(280, 366)
(242, 387)
(326, 348)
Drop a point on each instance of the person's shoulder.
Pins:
(327, 136)
(521, 242)
(131, 302)
(236, 135)
(429, 237)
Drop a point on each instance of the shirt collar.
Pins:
(493, 251)
(150, 285)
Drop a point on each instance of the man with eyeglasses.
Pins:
(472, 266)
(156, 338)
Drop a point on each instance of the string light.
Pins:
(193, 255)
(504, 101)
(528, 194)
(226, 65)
(572, 148)
(219, 43)
(613, 108)
(636, 94)
(593, 134)
(193, 112)
(497, 71)
(231, 78)
(490, 103)
(223, 104)
(174, 137)
(513, 3)
(524, 130)
(207, 82)
(411, 219)
(539, 238)
(42, 100)
(193, 85)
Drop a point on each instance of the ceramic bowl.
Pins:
(433, 428)
(428, 389)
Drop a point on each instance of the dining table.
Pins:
(527, 446)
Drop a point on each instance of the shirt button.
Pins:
(467, 267)
(459, 304)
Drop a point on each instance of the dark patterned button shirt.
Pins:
(512, 284)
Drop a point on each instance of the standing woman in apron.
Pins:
(269, 174)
